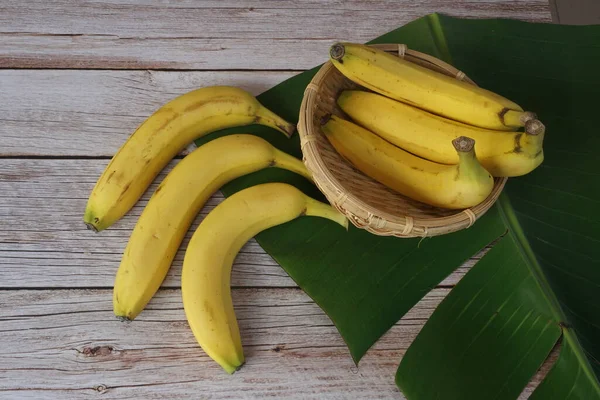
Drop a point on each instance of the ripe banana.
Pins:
(205, 281)
(430, 136)
(419, 86)
(449, 186)
(161, 137)
(173, 207)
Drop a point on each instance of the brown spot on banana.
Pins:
(200, 104)
(209, 310)
(457, 176)
(124, 191)
(167, 122)
(518, 149)
(501, 115)
(110, 176)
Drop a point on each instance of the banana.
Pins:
(171, 210)
(161, 137)
(448, 186)
(205, 280)
(430, 90)
(430, 136)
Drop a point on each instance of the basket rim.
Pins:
(372, 219)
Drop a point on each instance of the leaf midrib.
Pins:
(516, 232)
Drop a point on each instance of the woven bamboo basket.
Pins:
(368, 204)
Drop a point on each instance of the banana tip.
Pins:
(91, 227)
(337, 51)
(325, 119)
(232, 369)
(346, 224)
(239, 367)
(122, 318)
(287, 129)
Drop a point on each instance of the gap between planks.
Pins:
(90, 114)
(228, 35)
(44, 243)
(67, 343)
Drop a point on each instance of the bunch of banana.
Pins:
(182, 194)
(429, 136)
(450, 186)
(408, 132)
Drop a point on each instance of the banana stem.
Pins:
(468, 164)
(535, 127)
(533, 139)
(317, 209)
(517, 119)
(463, 144)
(337, 51)
(267, 117)
(286, 161)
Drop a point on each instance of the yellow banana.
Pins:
(205, 281)
(449, 186)
(430, 90)
(173, 207)
(430, 136)
(161, 137)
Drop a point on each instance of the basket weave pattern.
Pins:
(367, 203)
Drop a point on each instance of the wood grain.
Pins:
(60, 340)
(60, 344)
(92, 113)
(228, 34)
(44, 243)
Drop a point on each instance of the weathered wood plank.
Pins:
(67, 344)
(215, 34)
(44, 243)
(92, 113)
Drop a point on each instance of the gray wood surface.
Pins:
(44, 243)
(215, 34)
(92, 112)
(59, 344)
(76, 78)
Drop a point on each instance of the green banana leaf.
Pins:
(540, 284)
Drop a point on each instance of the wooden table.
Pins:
(77, 78)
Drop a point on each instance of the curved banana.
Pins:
(427, 89)
(430, 136)
(448, 186)
(173, 207)
(161, 137)
(205, 281)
